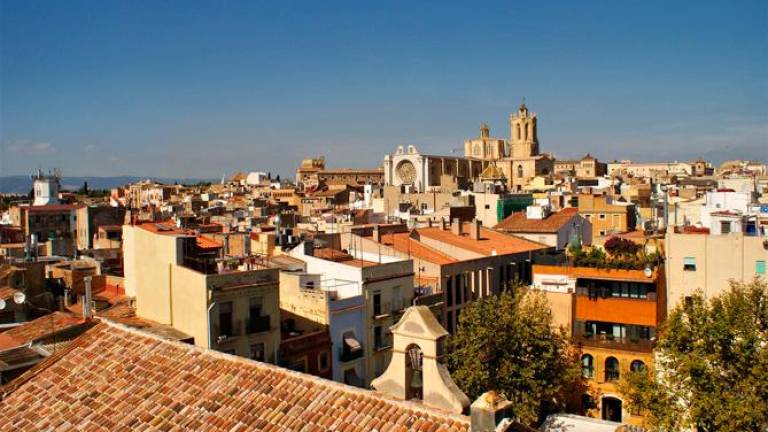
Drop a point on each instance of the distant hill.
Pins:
(23, 184)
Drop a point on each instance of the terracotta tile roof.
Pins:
(43, 326)
(207, 243)
(113, 378)
(517, 222)
(490, 241)
(402, 243)
(338, 256)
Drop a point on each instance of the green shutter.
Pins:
(760, 267)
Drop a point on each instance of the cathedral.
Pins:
(518, 158)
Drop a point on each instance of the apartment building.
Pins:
(615, 314)
(386, 287)
(700, 260)
(183, 280)
(462, 260)
(47, 221)
(541, 225)
(311, 305)
(90, 220)
(607, 215)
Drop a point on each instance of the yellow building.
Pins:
(183, 280)
(606, 215)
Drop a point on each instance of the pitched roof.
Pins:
(403, 243)
(518, 222)
(43, 326)
(116, 378)
(490, 241)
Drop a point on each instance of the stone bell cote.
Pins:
(416, 370)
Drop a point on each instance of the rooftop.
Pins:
(518, 222)
(489, 243)
(597, 273)
(403, 243)
(116, 378)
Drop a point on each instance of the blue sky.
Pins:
(198, 89)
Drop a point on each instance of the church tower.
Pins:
(524, 140)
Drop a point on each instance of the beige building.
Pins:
(606, 215)
(709, 262)
(180, 279)
(519, 159)
(461, 261)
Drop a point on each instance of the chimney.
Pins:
(429, 223)
(87, 314)
(377, 233)
(488, 412)
(457, 227)
(443, 224)
(474, 232)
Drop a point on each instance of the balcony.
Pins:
(258, 324)
(608, 341)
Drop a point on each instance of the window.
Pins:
(449, 291)
(519, 170)
(487, 206)
(323, 361)
(725, 227)
(587, 366)
(378, 337)
(257, 351)
(611, 369)
(225, 318)
(254, 306)
(602, 216)
(376, 304)
(760, 267)
(396, 300)
(689, 264)
(637, 366)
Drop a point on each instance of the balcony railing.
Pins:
(608, 341)
(258, 324)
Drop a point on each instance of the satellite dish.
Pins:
(19, 297)
(2, 304)
(648, 271)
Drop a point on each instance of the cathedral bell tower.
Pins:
(524, 140)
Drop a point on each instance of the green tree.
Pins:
(508, 343)
(712, 365)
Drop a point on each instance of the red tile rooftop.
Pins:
(44, 326)
(402, 243)
(490, 242)
(518, 222)
(115, 378)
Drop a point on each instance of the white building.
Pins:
(46, 188)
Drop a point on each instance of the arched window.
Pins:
(587, 366)
(519, 170)
(518, 131)
(637, 366)
(611, 369)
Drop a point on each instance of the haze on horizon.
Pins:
(198, 89)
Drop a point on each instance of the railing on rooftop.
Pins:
(609, 341)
